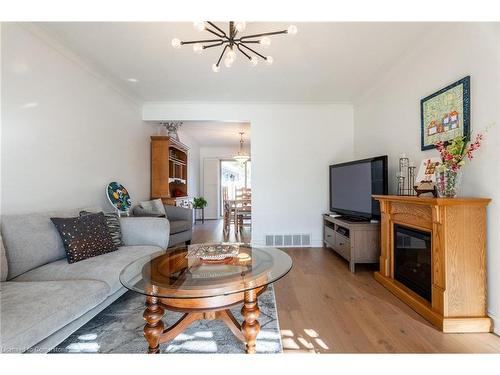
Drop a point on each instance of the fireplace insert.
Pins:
(412, 260)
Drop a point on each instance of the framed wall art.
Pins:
(445, 114)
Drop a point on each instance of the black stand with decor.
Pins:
(196, 209)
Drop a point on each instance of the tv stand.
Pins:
(355, 241)
(354, 219)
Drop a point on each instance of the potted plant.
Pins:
(199, 202)
(453, 157)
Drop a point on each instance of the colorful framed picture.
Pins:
(445, 114)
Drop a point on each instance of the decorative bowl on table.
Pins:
(214, 252)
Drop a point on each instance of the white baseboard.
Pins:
(496, 323)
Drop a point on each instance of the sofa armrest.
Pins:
(137, 231)
(179, 213)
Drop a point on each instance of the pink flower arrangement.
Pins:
(454, 153)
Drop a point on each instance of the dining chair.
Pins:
(242, 212)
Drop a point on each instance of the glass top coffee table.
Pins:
(204, 288)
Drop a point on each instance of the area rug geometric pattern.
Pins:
(118, 329)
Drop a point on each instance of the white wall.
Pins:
(292, 146)
(65, 132)
(387, 117)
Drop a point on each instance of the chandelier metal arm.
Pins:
(262, 34)
(214, 45)
(222, 55)
(202, 41)
(249, 41)
(243, 52)
(217, 28)
(215, 33)
(254, 51)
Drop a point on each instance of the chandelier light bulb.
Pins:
(228, 62)
(265, 41)
(215, 68)
(176, 43)
(254, 61)
(199, 25)
(197, 48)
(292, 30)
(232, 54)
(240, 26)
(269, 60)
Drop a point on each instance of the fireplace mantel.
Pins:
(458, 235)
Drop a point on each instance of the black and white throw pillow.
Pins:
(84, 237)
(113, 223)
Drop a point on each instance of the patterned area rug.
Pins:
(118, 329)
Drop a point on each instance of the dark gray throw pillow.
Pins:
(153, 208)
(113, 223)
(84, 237)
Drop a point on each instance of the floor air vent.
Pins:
(288, 240)
(269, 240)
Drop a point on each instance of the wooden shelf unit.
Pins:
(356, 242)
(458, 258)
(169, 169)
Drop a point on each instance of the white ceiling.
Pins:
(217, 134)
(332, 61)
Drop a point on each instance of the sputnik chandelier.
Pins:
(230, 42)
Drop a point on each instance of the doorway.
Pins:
(234, 175)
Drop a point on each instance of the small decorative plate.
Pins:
(118, 196)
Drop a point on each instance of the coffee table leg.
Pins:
(250, 327)
(154, 325)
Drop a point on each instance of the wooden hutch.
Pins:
(169, 170)
(456, 232)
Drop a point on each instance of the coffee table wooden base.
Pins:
(195, 309)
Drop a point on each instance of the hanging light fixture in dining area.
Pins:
(241, 156)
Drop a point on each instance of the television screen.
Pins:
(352, 185)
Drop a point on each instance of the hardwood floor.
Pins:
(212, 231)
(323, 308)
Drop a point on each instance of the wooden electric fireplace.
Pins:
(433, 257)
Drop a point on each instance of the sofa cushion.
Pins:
(31, 240)
(177, 226)
(31, 311)
(106, 267)
(141, 231)
(84, 237)
(3, 262)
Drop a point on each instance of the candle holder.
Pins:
(405, 176)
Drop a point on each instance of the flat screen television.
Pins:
(352, 185)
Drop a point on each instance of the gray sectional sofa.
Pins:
(44, 298)
(181, 224)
